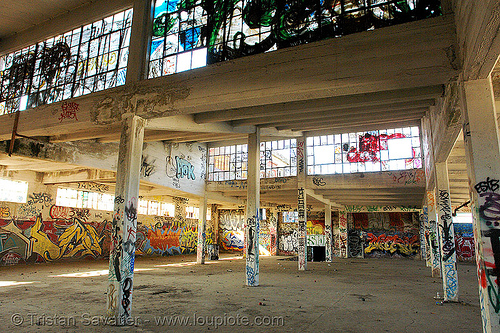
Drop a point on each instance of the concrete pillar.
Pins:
(138, 56)
(272, 220)
(124, 225)
(343, 235)
(433, 234)
(328, 233)
(302, 203)
(253, 206)
(446, 235)
(426, 236)
(422, 223)
(482, 152)
(214, 212)
(202, 226)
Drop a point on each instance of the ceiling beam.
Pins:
(348, 120)
(307, 114)
(323, 104)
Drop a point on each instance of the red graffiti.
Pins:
(369, 146)
(464, 247)
(164, 239)
(57, 212)
(69, 111)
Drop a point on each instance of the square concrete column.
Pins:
(124, 225)
(425, 238)
(214, 217)
(482, 152)
(202, 226)
(302, 203)
(253, 205)
(433, 234)
(142, 23)
(446, 235)
(328, 233)
(343, 235)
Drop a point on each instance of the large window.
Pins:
(191, 33)
(13, 191)
(67, 197)
(381, 150)
(277, 159)
(87, 59)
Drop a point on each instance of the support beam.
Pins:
(328, 233)
(139, 40)
(253, 206)
(302, 203)
(307, 114)
(446, 235)
(202, 225)
(433, 234)
(343, 236)
(483, 167)
(329, 103)
(124, 225)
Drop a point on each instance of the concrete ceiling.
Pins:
(20, 15)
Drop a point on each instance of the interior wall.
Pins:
(384, 234)
(40, 231)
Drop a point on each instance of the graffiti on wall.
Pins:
(391, 244)
(355, 245)
(57, 233)
(384, 234)
(464, 241)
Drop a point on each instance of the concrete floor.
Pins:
(352, 295)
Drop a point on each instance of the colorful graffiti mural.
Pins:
(391, 245)
(464, 241)
(56, 233)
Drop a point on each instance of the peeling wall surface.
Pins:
(40, 231)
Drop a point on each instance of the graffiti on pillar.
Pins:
(300, 155)
(423, 221)
(328, 242)
(448, 244)
(252, 250)
(446, 225)
(343, 238)
(489, 260)
(355, 243)
(301, 211)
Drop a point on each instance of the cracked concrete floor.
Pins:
(173, 294)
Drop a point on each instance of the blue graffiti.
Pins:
(184, 169)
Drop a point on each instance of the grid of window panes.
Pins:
(67, 197)
(188, 34)
(85, 60)
(380, 150)
(177, 44)
(13, 191)
(277, 159)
